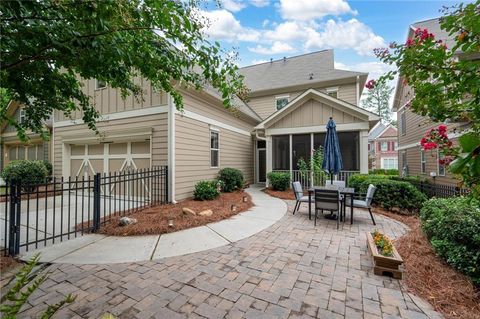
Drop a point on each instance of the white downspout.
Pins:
(358, 90)
(171, 148)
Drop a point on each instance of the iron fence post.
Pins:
(96, 202)
(14, 227)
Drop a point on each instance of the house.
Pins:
(412, 127)
(290, 103)
(382, 147)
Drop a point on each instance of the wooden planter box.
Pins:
(384, 265)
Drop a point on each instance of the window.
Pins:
(281, 102)
(441, 164)
(333, 92)
(390, 163)
(384, 146)
(214, 148)
(99, 84)
(281, 152)
(22, 116)
(403, 123)
(423, 162)
(395, 145)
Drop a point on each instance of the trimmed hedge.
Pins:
(453, 227)
(390, 193)
(28, 173)
(231, 179)
(279, 181)
(381, 171)
(206, 190)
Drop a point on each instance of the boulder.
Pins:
(188, 211)
(124, 221)
(207, 212)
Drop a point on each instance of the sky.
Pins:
(263, 29)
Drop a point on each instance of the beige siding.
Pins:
(313, 113)
(156, 123)
(108, 100)
(192, 145)
(265, 105)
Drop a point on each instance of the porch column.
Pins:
(311, 160)
(269, 156)
(290, 146)
(364, 151)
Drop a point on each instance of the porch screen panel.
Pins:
(300, 149)
(280, 152)
(349, 147)
(318, 140)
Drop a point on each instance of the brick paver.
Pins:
(290, 270)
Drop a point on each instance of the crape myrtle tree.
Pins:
(446, 85)
(47, 47)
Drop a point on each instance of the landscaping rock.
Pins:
(207, 212)
(125, 221)
(188, 211)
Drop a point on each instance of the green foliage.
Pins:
(49, 167)
(231, 179)
(48, 47)
(453, 227)
(27, 173)
(206, 190)
(381, 171)
(446, 86)
(391, 193)
(315, 165)
(279, 181)
(377, 101)
(24, 287)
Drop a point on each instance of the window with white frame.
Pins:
(403, 123)
(384, 146)
(99, 84)
(423, 162)
(441, 164)
(390, 163)
(333, 92)
(214, 148)
(22, 116)
(281, 102)
(395, 145)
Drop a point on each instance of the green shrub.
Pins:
(390, 193)
(231, 179)
(27, 173)
(206, 190)
(49, 167)
(453, 227)
(382, 171)
(279, 181)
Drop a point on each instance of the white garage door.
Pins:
(89, 159)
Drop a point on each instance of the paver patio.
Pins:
(290, 270)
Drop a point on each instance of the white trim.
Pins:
(118, 115)
(438, 165)
(404, 147)
(350, 107)
(423, 160)
(269, 156)
(213, 128)
(97, 88)
(215, 149)
(363, 151)
(317, 129)
(204, 119)
(171, 147)
(290, 148)
(404, 104)
(120, 137)
(357, 84)
(332, 89)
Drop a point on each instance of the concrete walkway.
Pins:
(101, 249)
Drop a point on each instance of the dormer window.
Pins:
(22, 116)
(333, 92)
(99, 84)
(281, 101)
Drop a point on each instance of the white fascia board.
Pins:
(215, 123)
(117, 116)
(317, 129)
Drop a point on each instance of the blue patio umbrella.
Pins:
(332, 158)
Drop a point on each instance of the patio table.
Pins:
(345, 191)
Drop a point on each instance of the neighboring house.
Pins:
(382, 147)
(290, 103)
(412, 127)
(11, 148)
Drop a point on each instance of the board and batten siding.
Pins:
(118, 130)
(314, 113)
(265, 105)
(108, 100)
(192, 146)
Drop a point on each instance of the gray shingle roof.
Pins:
(376, 131)
(294, 71)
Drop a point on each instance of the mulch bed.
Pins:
(288, 194)
(429, 277)
(7, 262)
(154, 220)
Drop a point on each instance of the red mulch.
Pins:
(154, 220)
(288, 194)
(7, 262)
(429, 277)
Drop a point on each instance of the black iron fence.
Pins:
(439, 190)
(33, 216)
